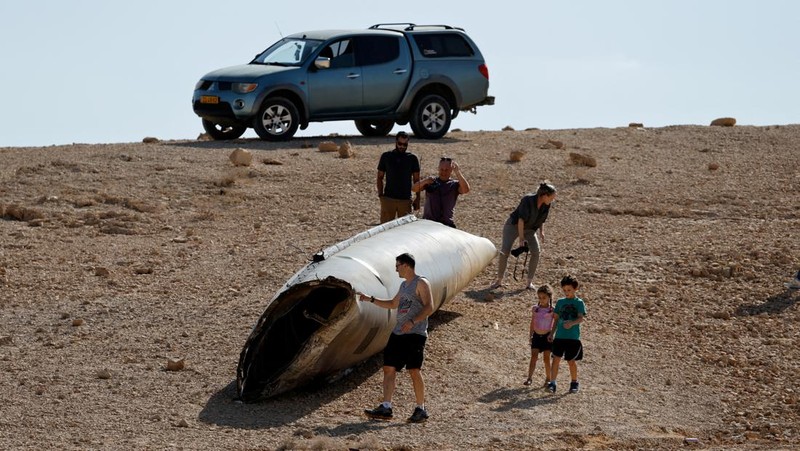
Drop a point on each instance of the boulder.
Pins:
(241, 157)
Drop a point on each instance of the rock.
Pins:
(150, 140)
(77, 322)
(553, 144)
(182, 423)
(713, 166)
(516, 155)
(508, 128)
(101, 272)
(328, 146)
(306, 145)
(346, 150)
(241, 157)
(175, 364)
(724, 122)
(582, 160)
(270, 161)
(143, 270)
(103, 374)
(6, 340)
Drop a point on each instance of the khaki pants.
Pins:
(394, 208)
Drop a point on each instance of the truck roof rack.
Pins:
(411, 26)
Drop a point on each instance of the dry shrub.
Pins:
(516, 156)
(508, 128)
(582, 160)
(270, 161)
(724, 122)
(635, 125)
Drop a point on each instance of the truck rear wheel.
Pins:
(430, 117)
(374, 128)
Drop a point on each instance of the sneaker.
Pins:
(552, 386)
(573, 387)
(546, 383)
(379, 413)
(795, 283)
(418, 416)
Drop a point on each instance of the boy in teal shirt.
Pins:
(566, 334)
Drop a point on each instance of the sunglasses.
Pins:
(446, 159)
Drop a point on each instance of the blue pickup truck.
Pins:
(422, 75)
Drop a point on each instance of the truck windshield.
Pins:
(287, 52)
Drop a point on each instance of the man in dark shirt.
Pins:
(441, 192)
(401, 169)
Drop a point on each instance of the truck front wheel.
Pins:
(223, 132)
(277, 119)
(430, 117)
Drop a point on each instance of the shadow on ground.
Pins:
(303, 143)
(774, 304)
(224, 409)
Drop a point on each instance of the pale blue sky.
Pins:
(92, 71)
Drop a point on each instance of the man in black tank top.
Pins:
(406, 345)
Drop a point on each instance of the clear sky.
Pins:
(102, 71)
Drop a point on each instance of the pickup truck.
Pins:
(388, 74)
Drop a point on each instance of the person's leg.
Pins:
(404, 208)
(386, 213)
(546, 363)
(532, 365)
(554, 368)
(389, 383)
(419, 386)
(533, 259)
(573, 370)
(509, 235)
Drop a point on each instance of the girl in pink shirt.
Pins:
(541, 325)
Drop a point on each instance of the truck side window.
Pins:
(442, 45)
(342, 52)
(377, 50)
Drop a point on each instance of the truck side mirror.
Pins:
(322, 62)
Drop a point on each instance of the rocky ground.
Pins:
(117, 261)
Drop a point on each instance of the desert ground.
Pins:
(119, 260)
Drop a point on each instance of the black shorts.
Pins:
(405, 350)
(568, 349)
(540, 342)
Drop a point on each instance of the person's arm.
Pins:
(541, 232)
(420, 185)
(379, 183)
(415, 178)
(569, 324)
(521, 231)
(463, 184)
(385, 303)
(533, 320)
(552, 333)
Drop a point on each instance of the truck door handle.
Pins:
(400, 71)
(352, 76)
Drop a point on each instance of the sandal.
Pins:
(495, 286)
(527, 382)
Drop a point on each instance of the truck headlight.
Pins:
(244, 88)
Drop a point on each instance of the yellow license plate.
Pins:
(209, 99)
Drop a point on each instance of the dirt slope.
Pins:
(115, 258)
